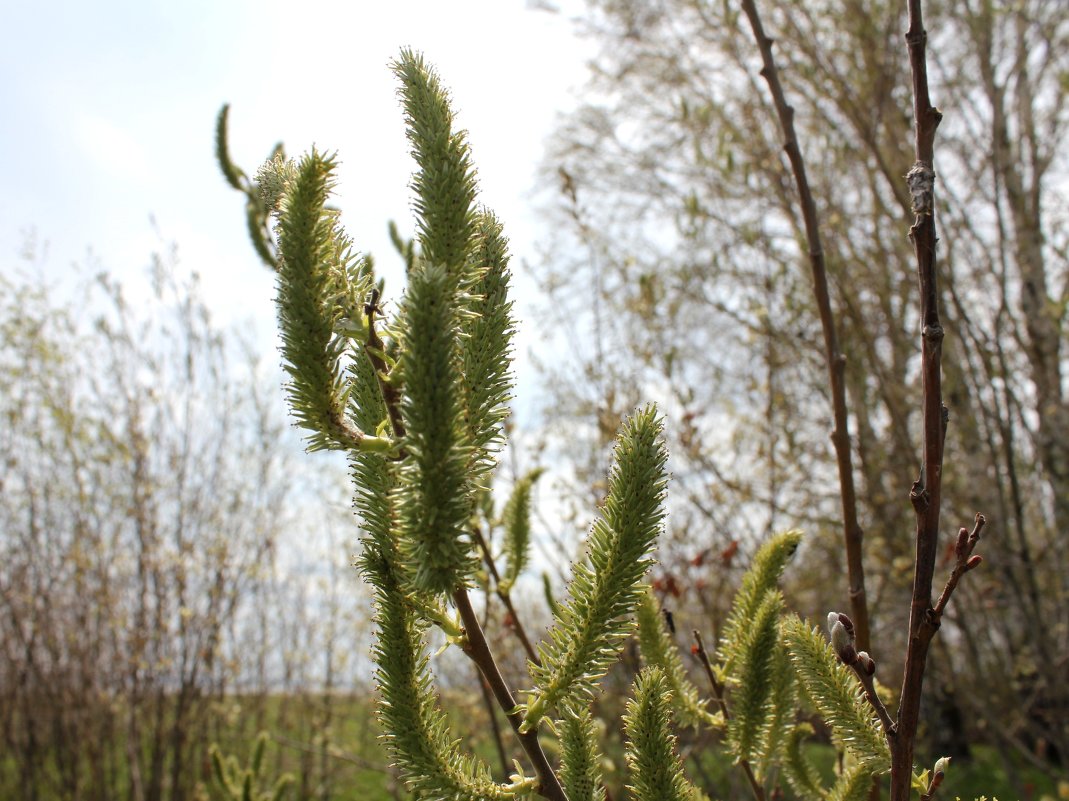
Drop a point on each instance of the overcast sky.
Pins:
(108, 110)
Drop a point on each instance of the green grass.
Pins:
(331, 745)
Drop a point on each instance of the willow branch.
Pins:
(506, 598)
(925, 494)
(477, 649)
(836, 361)
(375, 349)
(873, 697)
(495, 727)
(718, 694)
(964, 562)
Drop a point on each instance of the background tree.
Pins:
(148, 594)
(685, 268)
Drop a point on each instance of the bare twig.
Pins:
(868, 683)
(505, 598)
(843, 642)
(495, 728)
(476, 647)
(836, 361)
(718, 694)
(924, 619)
(964, 561)
(938, 774)
(375, 350)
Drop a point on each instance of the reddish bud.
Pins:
(962, 543)
(974, 561)
(842, 642)
(868, 664)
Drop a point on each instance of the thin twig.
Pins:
(718, 694)
(873, 697)
(495, 728)
(926, 494)
(375, 348)
(964, 562)
(836, 361)
(506, 598)
(476, 647)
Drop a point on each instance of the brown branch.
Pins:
(476, 647)
(506, 598)
(926, 494)
(495, 728)
(861, 668)
(963, 563)
(843, 642)
(718, 694)
(836, 361)
(375, 350)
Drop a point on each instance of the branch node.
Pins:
(921, 182)
(918, 496)
(933, 332)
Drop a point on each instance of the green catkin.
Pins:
(605, 590)
(660, 650)
(655, 770)
(837, 695)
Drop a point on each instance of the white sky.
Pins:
(107, 111)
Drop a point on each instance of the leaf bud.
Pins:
(939, 773)
(962, 543)
(974, 561)
(868, 664)
(842, 641)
